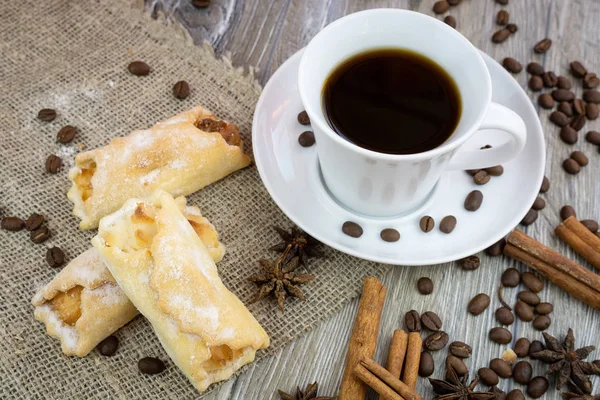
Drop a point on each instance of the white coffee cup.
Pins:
(384, 185)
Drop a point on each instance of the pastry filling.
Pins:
(230, 132)
(220, 356)
(68, 305)
(84, 181)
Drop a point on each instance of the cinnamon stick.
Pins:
(397, 352)
(386, 392)
(364, 337)
(385, 377)
(413, 358)
(584, 242)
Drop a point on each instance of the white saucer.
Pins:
(292, 177)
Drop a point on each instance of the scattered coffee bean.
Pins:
(563, 83)
(511, 277)
(488, 376)
(450, 21)
(512, 28)
(496, 249)
(55, 257)
(425, 286)
(470, 263)
(592, 111)
(412, 320)
(541, 322)
(497, 170)
(151, 366)
(568, 135)
(501, 35)
(566, 108)
(528, 297)
(504, 316)
(535, 346)
(545, 185)
(46, 114)
(571, 166)
(108, 347)
(201, 3)
(522, 372)
(539, 204)
(593, 137)
(591, 96)
(563, 95)
(502, 18)
(566, 212)
(577, 69)
(535, 69)
(580, 158)
(550, 79)
(524, 311)
(303, 118)
(502, 2)
(352, 229)
(436, 341)
(306, 139)
(544, 308)
(501, 368)
(426, 223)
(390, 235)
(578, 107)
(542, 46)
(530, 217)
(473, 200)
(522, 347)
(441, 7)
(181, 90)
(532, 282)
(537, 387)
(14, 224)
(460, 349)
(426, 365)
(591, 81)
(40, 235)
(457, 365)
(546, 101)
(512, 65)
(454, 2)
(481, 177)
(34, 221)
(500, 335)
(139, 68)
(590, 224)
(578, 122)
(559, 119)
(447, 224)
(478, 304)
(66, 134)
(431, 321)
(53, 164)
(515, 394)
(536, 83)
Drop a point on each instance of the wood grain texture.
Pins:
(265, 33)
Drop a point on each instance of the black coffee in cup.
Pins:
(392, 101)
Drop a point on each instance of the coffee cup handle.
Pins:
(500, 118)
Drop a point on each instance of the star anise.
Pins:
(297, 243)
(455, 388)
(309, 394)
(577, 394)
(280, 280)
(566, 362)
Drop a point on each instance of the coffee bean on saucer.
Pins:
(46, 114)
(447, 224)
(55, 257)
(512, 28)
(522, 372)
(427, 224)
(426, 364)
(470, 263)
(502, 18)
(544, 308)
(532, 282)
(546, 101)
(472, 172)
(139, 68)
(457, 364)
(306, 139)
(522, 347)
(530, 217)
(566, 108)
(571, 166)
(500, 335)
(303, 118)
(590, 224)
(578, 122)
(537, 387)
(501, 35)
(550, 79)
(535, 346)
(181, 90)
(478, 304)
(436, 341)
(412, 321)
(543, 46)
(536, 83)
(545, 185)
(591, 96)
(539, 204)
(390, 235)
(53, 164)
(592, 111)
(535, 69)
(481, 177)
(460, 349)
(431, 321)
(66, 134)
(580, 158)
(496, 170)
(487, 146)
(511, 277)
(441, 7)
(541, 322)
(108, 347)
(450, 21)
(578, 107)
(473, 200)
(151, 366)
(501, 368)
(577, 69)
(14, 224)
(425, 285)
(528, 297)
(593, 137)
(40, 235)
(496, 249)
(352, 229)
(512, 65)
(515, 394)
(504, 316)
(488, 376)
(523, 311)
(559, 119)
(566, 212)
(568, 135)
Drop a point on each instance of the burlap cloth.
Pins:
(72, 56)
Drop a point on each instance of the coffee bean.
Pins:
(522, 347)
(539, 204)
(502, 2)
(457, 365)
(500, 335)
(563, 83)
(40, 235)
(563, 95)
(504, 316)
(470, 263)
(450, 21)
(488, 376)
(306, 139)
(460, 349)
(546, 101)
(580, 158)
(454, 2)
(412, 320)
(501, 35)
(46, 114)
(537, 387)
(502, 18)
(431, 321)
(545, 185)
(151, 366)
(559, 119)
(577, 69)
(591, 96)
(108, 347)
(590, 224)
(447, 224)
(550, 79)
(496, 249)
(34, 221)
(501, 368)
(578, 122)
(352, 229)
(481, 177)
(511, 277)
(66, 134)
(566, 108)
(528, 297)
(566, 212)
(390, 235)
(512, 28)
(535, 69)
(427, 223)
(522, 372)
(139, 68)
(436, 341)
(303, 118)
(593, 137)
(497, 170)
(544, 308)
(181, 90)
(530, 217)
(478, 304)
(473, 200)
(55, 257)
(536, 83)
(426, 365)
(591, 81)
(515, 394)
(571, 166)
(541, 322)
(592, 111)
(441, 7)
(512, 65)
(498, 393)
(53, 164)
(472, 172)
(568, 135)
(14, 224)
(542, 46)
(425, 286)
(536, 346)
(578, 107)
(523, 311)
(532, 282)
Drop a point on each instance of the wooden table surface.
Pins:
(264, 33)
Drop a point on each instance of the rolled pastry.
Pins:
(169, 275)
(180, 155)
(83, 304)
